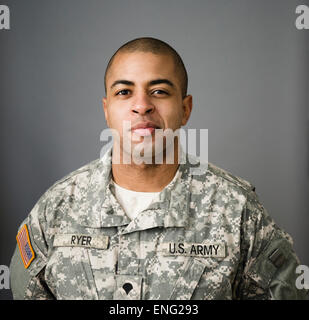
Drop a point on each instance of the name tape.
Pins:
(205, 250)
(81, 240)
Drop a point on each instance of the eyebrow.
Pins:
(160, 81)
(151, 83)
(126, 82)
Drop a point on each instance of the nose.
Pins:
(142, 105)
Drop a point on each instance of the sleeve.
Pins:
(30, 257)
(268, 261)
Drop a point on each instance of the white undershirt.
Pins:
(134, 202)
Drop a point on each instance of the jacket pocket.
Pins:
(84, 274)
(187, 282)
(69, 273)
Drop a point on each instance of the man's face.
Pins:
(144, 88)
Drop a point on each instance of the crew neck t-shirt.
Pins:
(134, 202)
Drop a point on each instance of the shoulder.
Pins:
(220, 181)
(80, 176)
(51, 207)
(221, 195)
(240, 191)
(227, 178)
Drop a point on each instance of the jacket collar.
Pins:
(103, 210)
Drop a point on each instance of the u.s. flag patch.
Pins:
(24, 245)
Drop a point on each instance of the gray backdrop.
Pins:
(248, 74)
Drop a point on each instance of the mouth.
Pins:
(145, 128)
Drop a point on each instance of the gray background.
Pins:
(248, 74)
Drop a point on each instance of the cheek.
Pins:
(115, 117)
(172, 117)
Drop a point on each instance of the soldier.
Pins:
(116, 230)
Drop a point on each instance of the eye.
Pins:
(159, 92)
(122, 92)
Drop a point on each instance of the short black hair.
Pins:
(155, 46)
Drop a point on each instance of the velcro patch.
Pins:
(215, 250)
(81, 240)
(277, 258)
(24, 245)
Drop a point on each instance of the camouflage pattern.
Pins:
(148, 258)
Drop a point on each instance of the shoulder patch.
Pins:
(24, 245)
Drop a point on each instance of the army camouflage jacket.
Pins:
(208, 237)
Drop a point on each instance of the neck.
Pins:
(145, 177)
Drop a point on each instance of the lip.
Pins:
(145, 125)
(144, 129)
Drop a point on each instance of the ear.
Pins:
(104, 104)
(187, 108)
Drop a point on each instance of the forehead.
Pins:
(139, 66)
